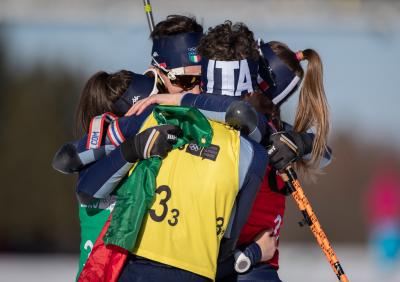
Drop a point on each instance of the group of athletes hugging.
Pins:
(218, 200)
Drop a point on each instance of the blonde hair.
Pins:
(312, 109)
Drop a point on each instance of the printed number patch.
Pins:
(209, 153)
(220, 224)
(166, 194)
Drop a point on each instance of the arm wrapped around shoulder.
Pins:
(287, 146)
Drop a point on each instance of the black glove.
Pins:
(287, 146)
(155, 141)
(67, 159)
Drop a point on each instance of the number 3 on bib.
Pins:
(165, 195)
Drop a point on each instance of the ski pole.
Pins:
(289, 176)
(149, 14)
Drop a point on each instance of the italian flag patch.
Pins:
(194, 57)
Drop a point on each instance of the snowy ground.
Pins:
(298, 263)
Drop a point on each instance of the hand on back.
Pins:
(267, 243)
(164, 99)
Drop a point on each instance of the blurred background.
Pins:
(48, 49)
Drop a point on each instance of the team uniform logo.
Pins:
(135, 99)
(94, 138)
(194, 57)
(178, 50)
(140, 87)
(210, 153)
(106, 203)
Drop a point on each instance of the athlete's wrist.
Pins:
(253, 251)
(247, 258)
(129, 152)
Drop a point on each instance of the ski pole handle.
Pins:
(290, 177)
(149, 14)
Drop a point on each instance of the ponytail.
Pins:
(312, 109)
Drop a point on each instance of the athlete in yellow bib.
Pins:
(193, 203)
(195, 196)
(202, 195)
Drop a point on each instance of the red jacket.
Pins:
(267, 212)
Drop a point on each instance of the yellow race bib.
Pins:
(196, 189)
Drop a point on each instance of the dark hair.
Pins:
(175, 24)
(228, 42)
(99, 94)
